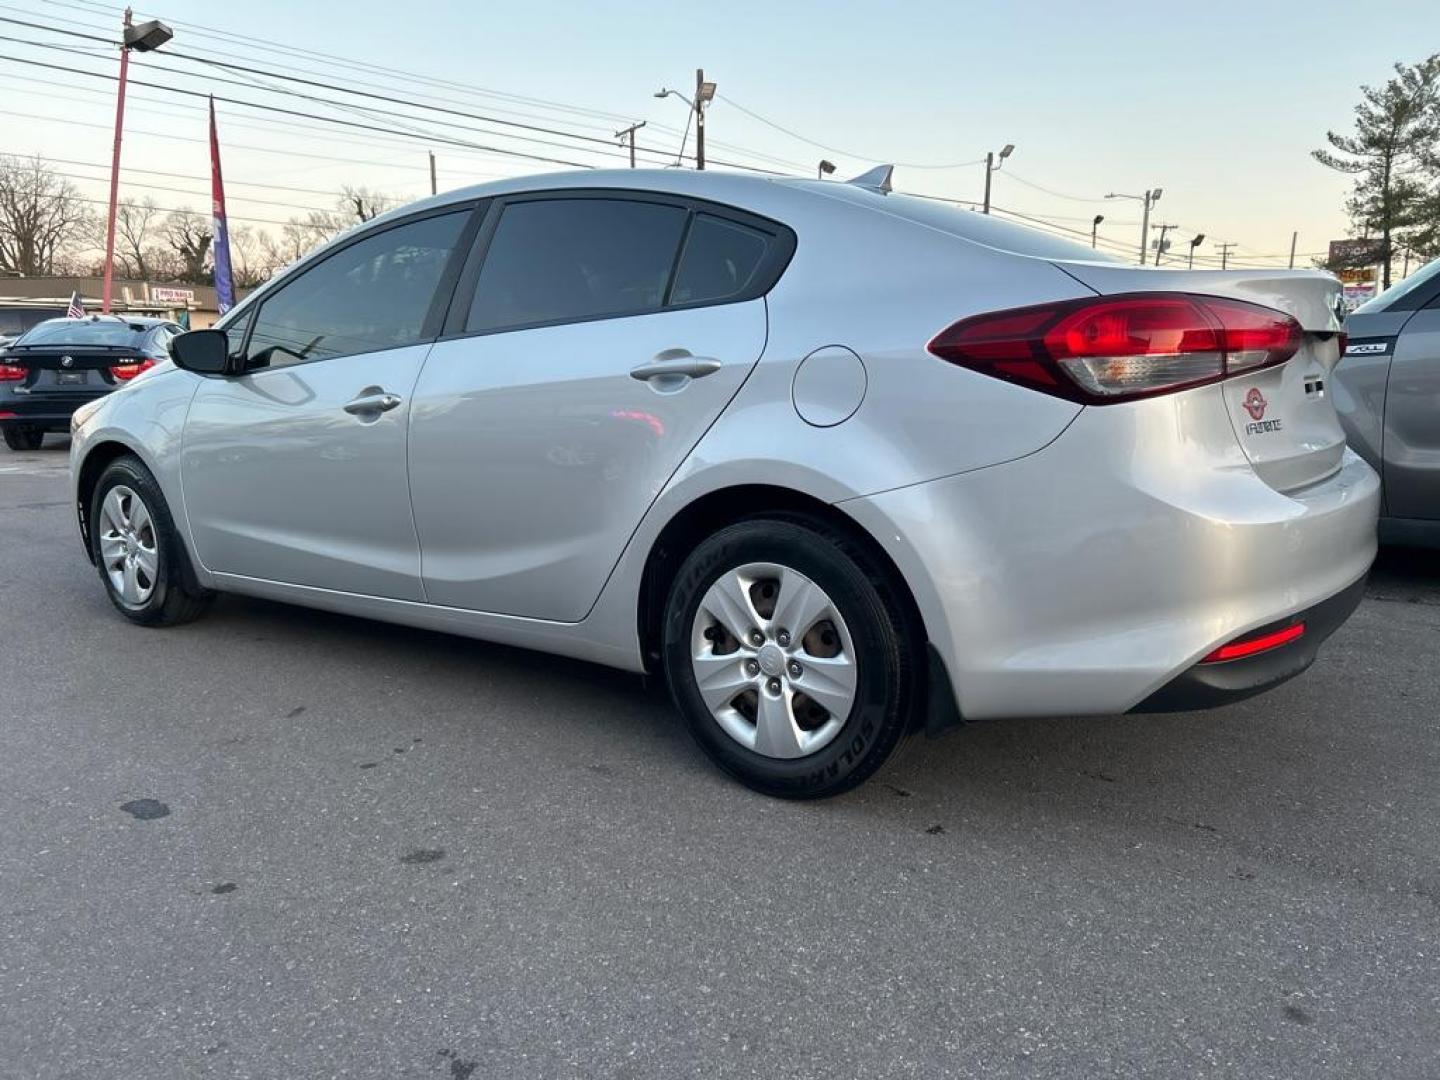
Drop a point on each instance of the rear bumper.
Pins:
(1205, 686)
(1083, 579)
(51, 412)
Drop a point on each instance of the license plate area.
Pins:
(72, 378)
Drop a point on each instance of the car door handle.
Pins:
(680, 367)
(372, 403)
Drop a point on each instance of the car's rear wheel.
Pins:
(789, 657)
(139, 554)
(19, 437)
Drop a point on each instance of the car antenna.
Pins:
(877, 179)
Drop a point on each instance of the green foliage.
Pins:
(1394, 156)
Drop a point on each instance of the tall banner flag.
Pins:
(224, 286)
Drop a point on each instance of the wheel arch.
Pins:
(97, 459)
(724, 506)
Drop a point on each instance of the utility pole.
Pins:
(1160, 245)
(1224, 253)
(143, 38)
(115, 169)
(1294, 237)
(1149, 199)
(629, 134)
(700, 117)
(433, 189)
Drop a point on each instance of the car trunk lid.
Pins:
(63, 369)
(1284, 417)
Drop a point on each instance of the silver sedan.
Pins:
(841, 463)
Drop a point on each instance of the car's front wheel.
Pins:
(18, 437)
(137, 550)
(789, 656)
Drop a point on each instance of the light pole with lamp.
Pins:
(991, 167)
(824, 169)
(704, 93)
(1150, 198)
(1095, 228)
(1199, 239)
(143, 38)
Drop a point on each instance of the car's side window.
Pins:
(556, 260)
(720, 260)
(372, 294)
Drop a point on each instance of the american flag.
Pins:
(76, 310)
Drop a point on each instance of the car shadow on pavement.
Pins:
(1242, 782)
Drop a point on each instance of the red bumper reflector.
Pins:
(7, 416)
(1252, 645)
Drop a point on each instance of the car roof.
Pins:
(135, 322)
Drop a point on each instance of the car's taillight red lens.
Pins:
(1119, 348)
(11, 372)
(125, 372)
(1256, 643)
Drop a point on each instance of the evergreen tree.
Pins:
(1394, 155)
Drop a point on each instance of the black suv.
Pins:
(54, 368)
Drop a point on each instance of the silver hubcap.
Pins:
(127, 546)
(773, 660)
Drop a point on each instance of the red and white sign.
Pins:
(169, 294)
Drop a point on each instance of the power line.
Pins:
(240, 102)
(834, 150)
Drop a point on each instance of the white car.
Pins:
(841, 463)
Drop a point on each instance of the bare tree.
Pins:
(250, 261)
(135, 224)
(354, 206)
(359, 204)
(189, 235)
(42, 216)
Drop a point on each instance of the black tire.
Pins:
(884, 643)
(23, 438)
(171, 601)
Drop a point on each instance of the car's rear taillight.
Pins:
(12, 372)
(1118, 348)
(127, 371)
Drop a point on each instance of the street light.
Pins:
(991, 167)
(146, 37)
(1095, 227)
(825, 169)
(1150, 198)
(704, 94)
(1199, 239)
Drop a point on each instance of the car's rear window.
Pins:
(76, 332)
(987, 229)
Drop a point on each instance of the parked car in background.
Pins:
(1387, 393)
(839, 462)
(18, 316)
(58, 365)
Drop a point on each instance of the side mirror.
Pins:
(205, 352)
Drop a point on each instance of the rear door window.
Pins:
(567, 260)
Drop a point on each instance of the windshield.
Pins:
(1400, 289)
(15, 321)
(99, 332)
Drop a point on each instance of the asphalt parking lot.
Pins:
(278, 843)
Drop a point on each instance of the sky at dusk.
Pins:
(1219, 104)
